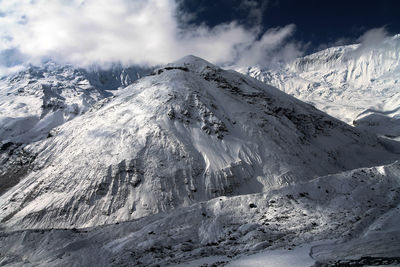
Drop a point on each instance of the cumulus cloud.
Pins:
(85, 32)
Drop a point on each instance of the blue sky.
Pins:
(320, 23)
(149, 32)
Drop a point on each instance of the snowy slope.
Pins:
(188, 133)
(352, 207)
(357, 83)
(38, 99)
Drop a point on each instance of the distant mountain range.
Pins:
(38, 99)
(356, 83)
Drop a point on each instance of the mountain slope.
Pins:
(188, 133)
(38, 99)
(357, 83)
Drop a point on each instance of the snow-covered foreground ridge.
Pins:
(188, 133)
(357, 83)
(356, 211)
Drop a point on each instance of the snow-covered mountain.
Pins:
(38, 99)
(191, 164)
(359, 84)
(188, 133)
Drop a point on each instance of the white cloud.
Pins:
(85, 32)
(271, 48)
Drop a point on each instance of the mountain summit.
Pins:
(187, 133)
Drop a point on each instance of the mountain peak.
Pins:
(192, 63)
